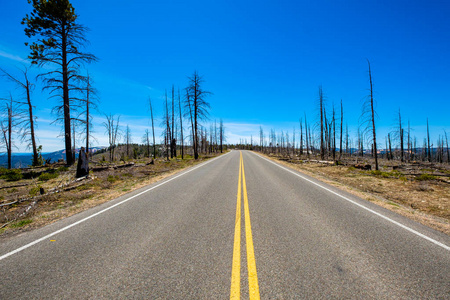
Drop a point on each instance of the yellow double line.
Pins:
(251, 264)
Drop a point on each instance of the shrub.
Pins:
(63, 169)
(423, 177)
(34, 191)
(21, 223)
(112, 178)
(12, 175)
(48, 176)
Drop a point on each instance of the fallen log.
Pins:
(363, 167)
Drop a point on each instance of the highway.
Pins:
(235, 227)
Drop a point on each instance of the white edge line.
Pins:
(102, 211)
(362, 206)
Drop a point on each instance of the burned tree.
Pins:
(322, 121)
(153, 127)
(7, 125)
(90, 103)
(342, 125)
(181, 125)
(26, 115)
(368, 116)
(197, 106)
(112, 129)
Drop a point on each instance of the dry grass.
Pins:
(421, 194)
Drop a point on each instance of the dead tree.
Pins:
(306, 133)
(112, 129)
(333, 150)
(181, 125)
(400, 132)
(90, 103)
(173, 141)
(368, 116)
(167, 133)
(222, 135)
(127, 140)
(146, 141)
(153, 127)
(446, 141)
(197, 104)
(25, 113)
(7, 126)
(342, 124)
(390, 147)
(428, 142)
(321, 108)
(346, 138)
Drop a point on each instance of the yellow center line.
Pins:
(236, 268)
(251, 264)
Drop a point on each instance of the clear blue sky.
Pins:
(263, 60)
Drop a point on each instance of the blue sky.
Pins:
(262, 60)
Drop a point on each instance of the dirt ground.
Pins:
(420, 191)
(64, 196)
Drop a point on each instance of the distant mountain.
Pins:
(23, 160)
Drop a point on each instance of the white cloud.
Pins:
(12, 57)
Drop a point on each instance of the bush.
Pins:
(12, 175)
(48, 176)
(423, 177)
(63, 169)
(34, 191)
(112, 179)
(21, 223)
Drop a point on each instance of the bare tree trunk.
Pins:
(334, 135)
(400, 131)
(428, 140)
(9, 146)
(27, 86)
(173, 143)
(181, 125)
(446, 141)
(307, 142)
(322, 146)
(409, 143)
(31, 117)
(390, 147)
(342, 126)
(221, 135)
(73, 136)
(168, 134)
(346, 138)
(301, 137)
(153, 128)
(375, 153)
(66, 101)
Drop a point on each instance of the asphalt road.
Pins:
(186, 238)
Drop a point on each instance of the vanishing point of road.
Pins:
(238, 226)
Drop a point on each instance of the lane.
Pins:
(312, 244)
(182, 239)
(172, 242)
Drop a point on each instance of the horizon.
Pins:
(262, 61)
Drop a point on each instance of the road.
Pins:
(239, 227)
